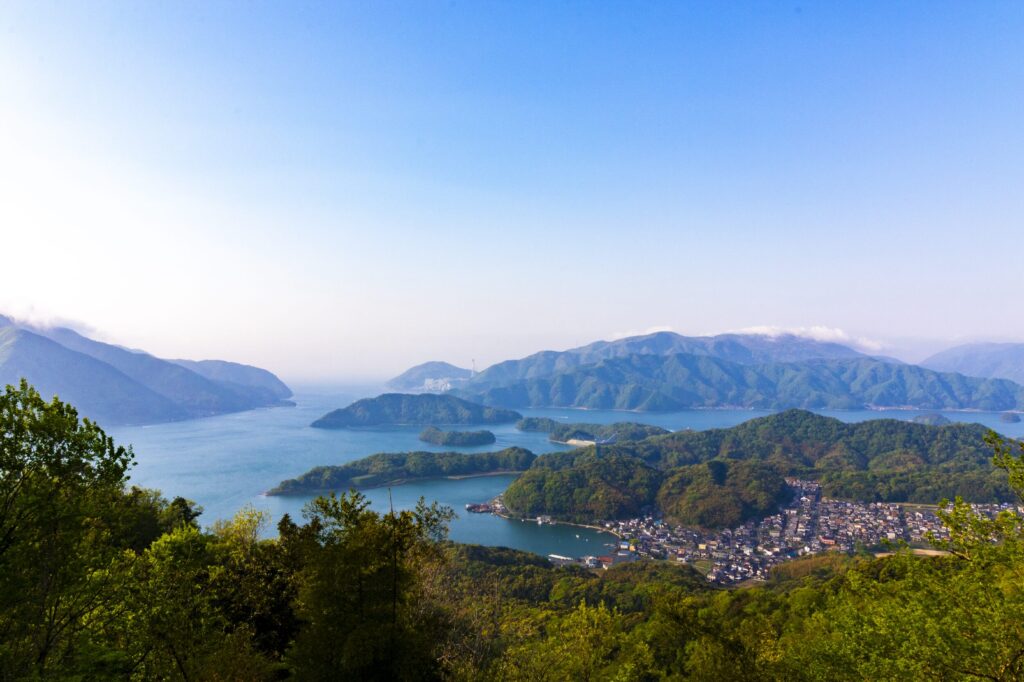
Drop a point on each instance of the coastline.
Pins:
(395, 483)
(747, 408)
(599, 529)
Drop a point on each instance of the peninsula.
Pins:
(385, 469)
(575, 432)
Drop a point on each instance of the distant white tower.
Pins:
(473, 371)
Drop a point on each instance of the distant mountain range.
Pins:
(430, 376)
(996, 360)
(116, 386)
(681, 381)
(666, 371)
(743, 349)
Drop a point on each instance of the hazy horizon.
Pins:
(917, 351)
(337, 193)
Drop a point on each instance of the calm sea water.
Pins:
(225, 463)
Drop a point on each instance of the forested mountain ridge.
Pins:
(743, 349)
(994, 360)
(685, 381)
(876, 460)
(198, 394)
(810, 439)
(120, 386)
(239, 374)
(105, 393)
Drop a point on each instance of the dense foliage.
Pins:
(684, 381)
(436, 436)
(721, 493)
(98, 581)
(422, 409)
(392, 468)
(877, 460)
(564, 432)
(593, 487)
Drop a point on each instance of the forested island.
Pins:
(931, 419)
(395, 468)
(407, 409)
(720, 477)
(130, 585)
(560, 432)
(436, 436)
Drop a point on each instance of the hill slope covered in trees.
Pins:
(418, 409)
(394, 468)
(563, 432)
(876, 460)
(685, 381)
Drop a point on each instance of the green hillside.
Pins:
(684, 381)
(877, 460)
(436, 436)
(423, 409)
(393, 468)
(562, 432)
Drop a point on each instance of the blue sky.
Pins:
(339, 191)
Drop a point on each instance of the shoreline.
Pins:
(599, 529)
(395, 483)
(771, 410)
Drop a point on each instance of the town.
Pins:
(809, 524)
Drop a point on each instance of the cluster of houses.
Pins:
(809, 524)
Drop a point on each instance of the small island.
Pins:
(385, 469)
(420, 409)
(436, 436)
(931, 419)
(581, 434)
(1009, 418)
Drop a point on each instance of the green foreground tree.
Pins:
(61, 502)
(366, 613)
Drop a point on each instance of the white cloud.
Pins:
(28, 314)
(817, 333)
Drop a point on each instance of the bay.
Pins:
(227, 462)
